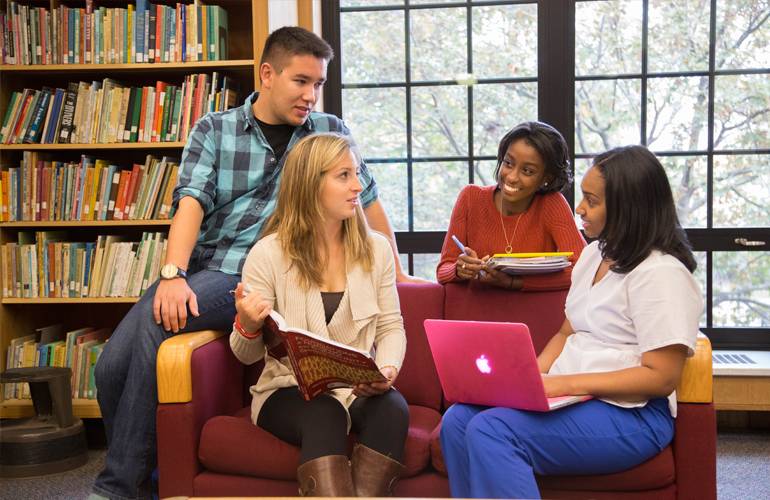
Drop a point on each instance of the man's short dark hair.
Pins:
(289, 41)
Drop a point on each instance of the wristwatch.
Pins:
(171, 271)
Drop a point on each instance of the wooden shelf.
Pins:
(86, 223)
(185, 66)
(70, 300)
(117, 145)
(22, 408)
(248, 27)
(742, 393)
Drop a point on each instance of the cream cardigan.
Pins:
(368, 317)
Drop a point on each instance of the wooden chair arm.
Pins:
(697, 383)
(174, 364)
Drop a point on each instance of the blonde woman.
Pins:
(321, 267)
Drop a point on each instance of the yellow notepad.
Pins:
(533, 254)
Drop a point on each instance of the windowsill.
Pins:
(741, 363)
(741, 380)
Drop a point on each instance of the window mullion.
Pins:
(556, 71)
(469, 53)
(643, 93)
(409, 153)
(710, 164)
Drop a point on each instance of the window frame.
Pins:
(556, 105)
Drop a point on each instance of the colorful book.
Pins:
(320, 364)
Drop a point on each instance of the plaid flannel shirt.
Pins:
(228, 166)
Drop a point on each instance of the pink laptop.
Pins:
(490, 364)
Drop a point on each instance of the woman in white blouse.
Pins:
(323, 270)
(632, 316)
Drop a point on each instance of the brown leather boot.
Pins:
(374, 474)
(327, 476)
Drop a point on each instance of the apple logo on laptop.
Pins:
(482, 363)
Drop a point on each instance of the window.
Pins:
(428, 90)
(689, 79)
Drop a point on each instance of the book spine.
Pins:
(150, 34)
(33, 132)
(68, 113)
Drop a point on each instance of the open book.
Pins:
(320, 364)
(530, 263)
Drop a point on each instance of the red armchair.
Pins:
(207, 445)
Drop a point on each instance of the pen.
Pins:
(462, 250)
(459, 244)
(246, 290)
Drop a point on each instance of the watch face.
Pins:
(168, 271)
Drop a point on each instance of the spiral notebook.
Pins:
(530, 263)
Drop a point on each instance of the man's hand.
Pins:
(377, 388)
(170, 304)
(407, 278)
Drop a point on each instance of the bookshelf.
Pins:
(144, 146)
(19, 316)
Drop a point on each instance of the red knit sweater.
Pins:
(546, 226)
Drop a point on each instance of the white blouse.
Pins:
(657, 304)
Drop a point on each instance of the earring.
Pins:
(545, 184)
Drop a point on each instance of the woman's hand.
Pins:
(377, 388)
(252, 308)
(557, 385)
(500, 279)
(656, 377)
(469, 265)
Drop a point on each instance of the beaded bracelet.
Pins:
(239, 328)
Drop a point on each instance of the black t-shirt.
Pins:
(278, 136)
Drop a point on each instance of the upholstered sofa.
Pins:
(207, 445)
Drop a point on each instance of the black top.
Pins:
(331, 302)
(278, 136)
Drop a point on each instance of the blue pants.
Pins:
(127, 385)
(496, 452)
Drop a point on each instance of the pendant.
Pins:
(509, 249)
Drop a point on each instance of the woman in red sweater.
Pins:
(524, 212)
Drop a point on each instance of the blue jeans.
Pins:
(127, 386)
(496, 452)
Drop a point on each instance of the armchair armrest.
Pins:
(198, 378)
(695, 436)
(697, 382)
(174, 364)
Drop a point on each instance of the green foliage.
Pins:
(741, 294)
(363, 41)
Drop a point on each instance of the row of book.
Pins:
(78, 350)
(141, 32)
(106, 112)
(43, 264)
(91, 189)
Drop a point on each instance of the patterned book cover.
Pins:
(320, 364)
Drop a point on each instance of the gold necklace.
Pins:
(508, 247)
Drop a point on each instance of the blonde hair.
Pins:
(298, 217)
